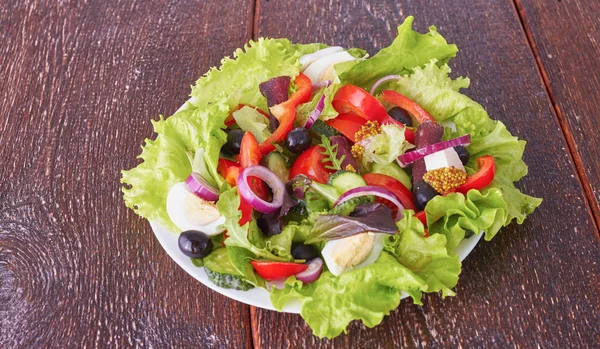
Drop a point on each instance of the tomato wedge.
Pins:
(246, 210)
(353, 99)
(405, 103)
(393, 185)
(483, 177)
(286, 112)
(310, 163)
(347, 124)
(230, 120)
(269, 270)
(250, 154)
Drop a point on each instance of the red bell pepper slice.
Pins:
(286, 112)
(250, 155)
(422, 216)
(230, 120)
(347, 124)
(353, 99)
(410, 106)
(392, 184)
(310, 163)
(483, 177)
(269, 270)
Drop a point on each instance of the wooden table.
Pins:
(80, 80)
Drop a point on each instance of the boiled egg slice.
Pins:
(190, 212)
(311, 57)
(322, 68)
(357, 251)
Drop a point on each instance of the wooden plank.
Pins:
(565, 35)
(533, 285)
(80, 83)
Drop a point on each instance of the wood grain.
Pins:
(565, 35)
(533, 285)
(79, 83)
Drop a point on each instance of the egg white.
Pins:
(322, 68)
(189, 212)
(336, 269)
(311, 57)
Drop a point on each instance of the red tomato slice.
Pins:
(353, 99)
(310, 163)
(483, 177)
(393, 185)
(269, 270)
(250, 154)
(246, 210)
(347, 124)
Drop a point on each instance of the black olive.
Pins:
(463, 154)
(195, 244)
(423, 193)
(298, 140)
(269, 224)
(401, 115)
(234, 142)
(302, 251)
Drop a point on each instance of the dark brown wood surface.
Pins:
(565, 37)
(80, 81)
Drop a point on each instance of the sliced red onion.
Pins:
(410, 157)
(320, 84)
(315, 266)
(382, 80)
(272, 181)
(375, 191)
(199, 186)
(278, 284)
(315, 113)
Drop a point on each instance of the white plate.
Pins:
(257, 297)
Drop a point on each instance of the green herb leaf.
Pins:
(331, 154)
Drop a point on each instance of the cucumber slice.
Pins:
(327, 191)
(394, 171)
(222, 273)
(321, 128)
(346, 207)
(346, 180)
(278, 164)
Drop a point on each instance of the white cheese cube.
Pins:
(444, 158)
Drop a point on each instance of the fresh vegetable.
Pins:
(222, 273)
(194, 244)
(408, 158)
(381, 81)
(269, 270)
(411, 107)
(375, 191)
(320, 128)
(315, 114)
(263, 173)
(482, 178)
(400, 190)
(353, 99)
(311, 164)
(199, 186)
(312, 273)
(347, 124)
(277, 163)
(229, 281)
(395, 171)
(346, 180)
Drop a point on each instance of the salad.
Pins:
(331, 177)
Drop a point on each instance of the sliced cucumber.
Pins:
(222, 273)
(346, 207)
(321, 128)
(395, 171)
(346, 180)
(228, 281)
(327, 191)
(278, 164)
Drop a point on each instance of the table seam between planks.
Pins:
(589, 198)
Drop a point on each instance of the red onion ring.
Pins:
(199, 186)
(375, 191)
(382, 80)
(315, 113)
(320, 84)
(410, 157)
(272, 181)
(315, 266)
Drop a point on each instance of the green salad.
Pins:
(330, 177)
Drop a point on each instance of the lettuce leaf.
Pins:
(238, 78)
(499, 203)
(248, 119)
(383, 148)
(408, 51)
(166, 161)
